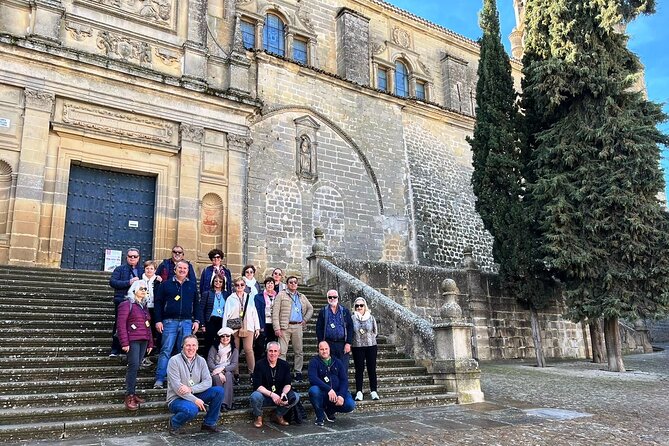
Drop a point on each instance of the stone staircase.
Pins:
(57, 382)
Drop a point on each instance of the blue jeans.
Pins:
(135, 356)
(321, 403)
(258, 401)
(185, 410)
(174, 331)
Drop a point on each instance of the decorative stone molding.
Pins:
(78, 31)
(120, 47)
(239, 143)
(192, 133)
(159, 13)
(126, 125)
(424, 67)
(401, 37)
(378, 47)
(166, 56)
(39, 100)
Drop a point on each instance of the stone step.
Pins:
(37, 272)
(66, 296)
(34, 306)
(80, 316)
(146, 379)
(144, 421)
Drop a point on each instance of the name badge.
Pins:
(177, 297)
(191, 382)
(241, 314)
(362, 331)
(219, 311)
(332, 325)
(133, 326)
(274, 389)
(147, 324)
(326, 379)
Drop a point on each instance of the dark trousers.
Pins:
(135, 356)
(260, 344)
(157, 336)
(116, 345)
(214, 324)
(337, 350)
(360, 356)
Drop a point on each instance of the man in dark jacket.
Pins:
(121, 279)
(335, 326)
(178, 314)
(166, 268)
(329, 386)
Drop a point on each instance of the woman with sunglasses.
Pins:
(239, 305)
(222, 361)
(213, 306)
(216, 267)
(252, 285)
(134, 333)
(277, 275)
(364, 347)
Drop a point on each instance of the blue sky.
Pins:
(649, 38)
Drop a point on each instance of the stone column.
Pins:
(288, 38)
(30, 181)
(318, 251)
(189, 187)
(311, 47)
(259, 38)
(238, 147)
(48, 15)
(239, 64)
(195, 47)
(453, 364)
(391, 80)
(374, 76)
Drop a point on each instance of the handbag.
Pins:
(234, 323)
(243, 332)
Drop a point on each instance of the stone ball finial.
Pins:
(449, 286)
(468, 261)
(318, 248)
(318, 232)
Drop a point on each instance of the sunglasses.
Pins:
(333, 297)
(217, 256)
(250, 271)
(143, 289)
(225, 336)
(132, 256)
(177, 252)
(276, 274)
(292, 282)
(359, 306)
(240, 285)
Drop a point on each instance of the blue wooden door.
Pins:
(106, 210)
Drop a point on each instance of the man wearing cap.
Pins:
(121, 279)
(290, 313)
(189, 389)
(329, 386)
(335, 325)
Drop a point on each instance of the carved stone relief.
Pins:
(166, 56)
(120, 47)
(155, 12)
(118, 123)
(78, 31)
(39, 100)
(378, 47)
(192, 133)
(306, 148)
(401, 37)
(211, 223)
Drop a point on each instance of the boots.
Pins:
(130, 403)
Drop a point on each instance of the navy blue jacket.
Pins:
(187, 306)
(259, 300)
(337, 375)
(120, 280)
(207, 303)
(205, 280)
(166, 270)
(348, 322)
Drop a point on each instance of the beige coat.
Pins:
(282, 307)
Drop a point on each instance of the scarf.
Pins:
(364, 316)
(251, 284)
(223, 355)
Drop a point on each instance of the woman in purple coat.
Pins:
(134, 333)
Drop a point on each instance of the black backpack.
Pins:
(296, 414)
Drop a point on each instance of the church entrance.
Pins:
(106, 210)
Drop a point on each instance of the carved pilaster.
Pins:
(239, 143)
(192, 133)
(48, 15)
(39, 100)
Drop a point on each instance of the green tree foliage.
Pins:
(499, 165)
(594, 144)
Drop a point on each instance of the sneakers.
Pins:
(375, 396)
(330, 417)
(113, 355)
(172, 431)
(318, 422)
(298, 377)
(158, 385)
(358, 396)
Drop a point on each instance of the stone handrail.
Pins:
(409, 330)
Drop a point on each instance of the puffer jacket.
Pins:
(133, 323)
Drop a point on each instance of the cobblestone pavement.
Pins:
(567, 403)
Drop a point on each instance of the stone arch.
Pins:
(341, 133)
(283, 222)
(278, 11)
(5, 194)
(212, 215)
(328, 213)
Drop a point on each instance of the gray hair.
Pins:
(190, 336)
(273, 343)
(136, 284)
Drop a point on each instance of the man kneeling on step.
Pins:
(189, 389)
(272, 384)
(329, 385)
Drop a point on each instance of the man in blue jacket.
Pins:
(121, 279)
(329, 386)
(178, 314)
(335, 325)
(167, 267)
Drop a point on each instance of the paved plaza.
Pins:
(567, 403)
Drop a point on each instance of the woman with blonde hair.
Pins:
(364, 347)
(241, 316)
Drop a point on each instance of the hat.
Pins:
(225, 331)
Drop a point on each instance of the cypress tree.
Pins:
(594, 144)
(497, 179)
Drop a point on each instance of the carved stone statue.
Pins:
(306, 168)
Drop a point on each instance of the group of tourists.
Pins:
(159, 308)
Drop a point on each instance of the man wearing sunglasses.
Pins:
(121, 279)
(335, 325)
(166, 269)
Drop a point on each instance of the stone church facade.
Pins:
(240, 124)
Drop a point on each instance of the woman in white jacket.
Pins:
(240, 305)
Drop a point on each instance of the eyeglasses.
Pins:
(225, 336)
(174, 251)
(240, 285)
(333, 297)
(217, 256)
(292, 282)
(248, 271)
(359, 306)
(276, 274)
(132, 256)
